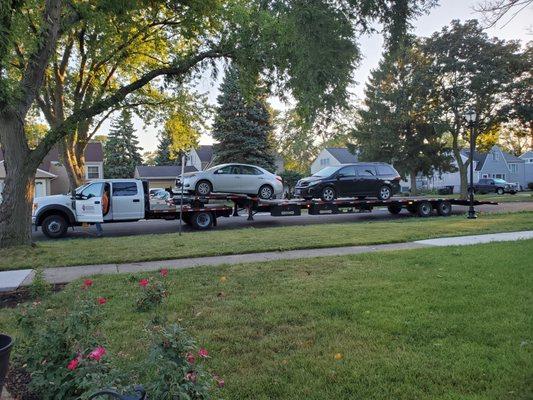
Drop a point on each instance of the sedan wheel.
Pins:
(203, 188)
(266, 192)
(328, 194)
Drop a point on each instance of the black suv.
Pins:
(360, 179)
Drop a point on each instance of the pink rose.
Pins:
(190, 358)
(97, 353)
(102, 300)
(143, 282)
(203, 353)
(73, 364)
(87, 283)
(164, 272)
(220, 383)
(191, 376)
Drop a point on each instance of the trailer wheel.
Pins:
(394, 208)
(444, 208)
(412, 208)
(54, 226)
(424, 209)
(186, 219)
(202, 220)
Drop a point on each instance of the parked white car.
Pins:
(233, 178)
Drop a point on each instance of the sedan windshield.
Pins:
(325, 172)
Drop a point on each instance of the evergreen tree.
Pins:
(121, 149)
(398, 124)
(242, 127)
(164, 150)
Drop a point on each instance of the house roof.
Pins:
(481, 157)
(527, 154)
(161, 171)
(39, 174)
(93, 153)
(342, 155)
(205, 153)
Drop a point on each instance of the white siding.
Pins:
(323, 160)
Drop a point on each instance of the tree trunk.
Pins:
(17, 196)
(74, 162)
(413, 183)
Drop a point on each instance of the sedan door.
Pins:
(226, 179)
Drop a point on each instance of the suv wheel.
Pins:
(203, 188)
(328, 194)
(385, 193)
(500, 191)
(54, 226)
(266, 192)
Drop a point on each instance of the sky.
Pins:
(521, 27)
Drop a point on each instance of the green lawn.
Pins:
(443, 323)
(248, 240)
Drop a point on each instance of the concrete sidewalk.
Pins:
(10, 280)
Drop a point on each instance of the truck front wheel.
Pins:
(202, 220)
(54, 226)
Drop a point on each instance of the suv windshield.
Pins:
(326, 171)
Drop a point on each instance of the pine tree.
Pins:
(121, 149)
(242, 128)
(164, 152)
(398, 124)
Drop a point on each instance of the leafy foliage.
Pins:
(242, 127)
(121, 149)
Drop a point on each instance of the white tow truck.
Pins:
(129, 201)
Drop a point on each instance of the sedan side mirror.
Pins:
(339, 176)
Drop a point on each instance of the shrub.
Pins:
(39, 287)
(152, 292)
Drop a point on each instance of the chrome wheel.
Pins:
(266, 192)
(54, 227)
(384, 193)
(328, 194)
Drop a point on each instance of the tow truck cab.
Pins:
(128, 201)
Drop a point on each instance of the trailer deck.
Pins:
(423, 207)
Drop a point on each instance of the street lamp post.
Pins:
(470, 117)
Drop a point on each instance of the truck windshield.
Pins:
(326, 171)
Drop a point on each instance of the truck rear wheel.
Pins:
(54, 226)
(202, 220)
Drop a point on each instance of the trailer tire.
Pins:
(444, 208)
(412, 208)
(394, 208)
(424, 209)
(203, 188)
(202, 220)
(54, 226)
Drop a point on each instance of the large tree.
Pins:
(242, 126)
(121, 148)
(471, 70)
(304, 48)
(397, 123)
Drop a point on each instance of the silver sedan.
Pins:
(233, 178)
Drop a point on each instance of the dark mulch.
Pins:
(17, 381)
(21, 295)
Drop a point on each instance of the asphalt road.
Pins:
(262, 221)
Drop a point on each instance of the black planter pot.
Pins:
(6, 343)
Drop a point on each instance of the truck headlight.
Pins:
(34, 208)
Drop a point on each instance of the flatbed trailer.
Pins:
(423, 207)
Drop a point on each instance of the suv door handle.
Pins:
(136, 200)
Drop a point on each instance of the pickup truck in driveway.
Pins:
(498, 186)
(129, 201)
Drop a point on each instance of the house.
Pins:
(51, 177)
(161, 176)
(496, 163)
(201, 157)
(527, 157)
(332, 156)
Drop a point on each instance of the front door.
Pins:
(346, 182)
(126, 201)
(88, 203)
(227, 179)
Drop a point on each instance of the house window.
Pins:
(513, 168)
(93, 172)
(530, 160)
(485, 176)
(324, 161)
(499, 176)
(495, 156)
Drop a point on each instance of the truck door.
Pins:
(127, 199)
(88, 203)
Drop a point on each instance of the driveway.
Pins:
(264, 220)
